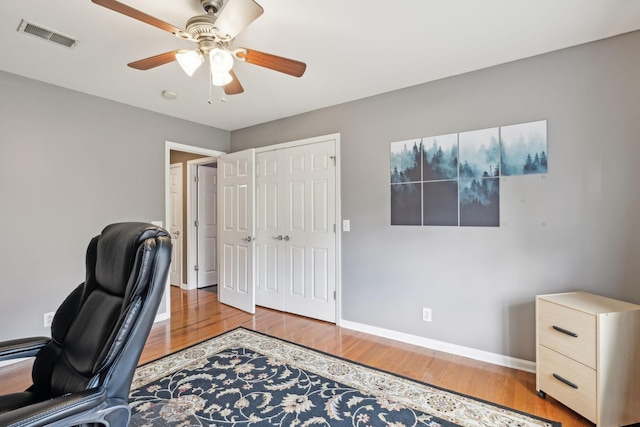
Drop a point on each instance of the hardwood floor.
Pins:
(197, 315)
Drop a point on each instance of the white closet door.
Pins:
(269, 225)
(236, 181)
(296, 239)
(309, 233)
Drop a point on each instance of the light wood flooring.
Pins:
(197, 315)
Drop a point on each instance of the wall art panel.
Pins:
(454, 179)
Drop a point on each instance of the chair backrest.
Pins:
(99, 331)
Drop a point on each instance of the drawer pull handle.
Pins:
(567, 382)
(564, 331)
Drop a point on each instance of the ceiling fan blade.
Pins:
(277, 63)
(141, 16)
(233, 88)
(154, 61)
(236, 16)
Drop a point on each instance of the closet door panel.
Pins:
(311, 226)
(296, 258)
(269, 272)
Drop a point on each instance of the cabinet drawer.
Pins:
(581, 399)
(567, 331)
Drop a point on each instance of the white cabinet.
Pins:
(588, 355)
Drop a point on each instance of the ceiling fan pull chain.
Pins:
(210, 88)
(223, 97)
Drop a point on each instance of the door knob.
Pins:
(177, 232)
(248, 239)
(279, 237)
(286, 238)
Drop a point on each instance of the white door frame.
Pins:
(168, 147)
(192, 250)
(338, 207)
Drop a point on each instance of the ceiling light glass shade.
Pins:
(220, 79)
(221, 61)
(189, 60)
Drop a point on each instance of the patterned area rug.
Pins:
(245, 378)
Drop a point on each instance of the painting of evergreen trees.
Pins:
(454, 179)
(405, 161)
(479, 178)
(440, 157)
(479, 153)
(406, 186)
(480, 202)
(406, 204)
(440, 203)
(524, 148)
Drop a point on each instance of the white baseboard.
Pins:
(471, 353)
(160, 317)
(11, 362)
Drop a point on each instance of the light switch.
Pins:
(346, 225)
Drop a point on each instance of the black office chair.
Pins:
(83, 373)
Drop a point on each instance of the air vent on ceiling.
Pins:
(46, 34)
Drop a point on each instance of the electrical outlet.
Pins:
(48, 318)
(426, 314)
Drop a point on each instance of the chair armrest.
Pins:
(23, 347)
(58, 411)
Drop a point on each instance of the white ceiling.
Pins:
(353, 48)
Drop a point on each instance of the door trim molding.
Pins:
(191, 228)
(175, 146)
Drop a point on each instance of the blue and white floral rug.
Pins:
(245, 378)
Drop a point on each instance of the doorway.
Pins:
(181, 153)
(202, 223)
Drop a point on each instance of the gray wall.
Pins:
(70, 164)
(575, 228)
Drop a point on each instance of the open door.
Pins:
(207, 226)
(175, 227)
(236, 184)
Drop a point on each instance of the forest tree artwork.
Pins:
(454, 179)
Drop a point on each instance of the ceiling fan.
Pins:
(214, 32)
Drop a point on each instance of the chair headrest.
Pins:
(116, 252)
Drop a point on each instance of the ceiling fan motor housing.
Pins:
(211, 6)
(201, 26)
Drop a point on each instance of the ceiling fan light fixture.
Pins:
(189, 60)
(220, 79)
(221, 61)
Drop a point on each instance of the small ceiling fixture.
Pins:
(169, 94)
(214, 32)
